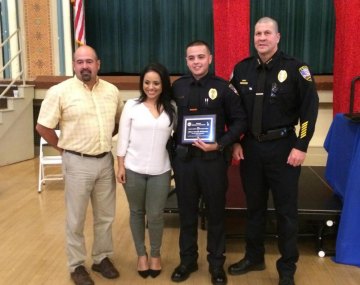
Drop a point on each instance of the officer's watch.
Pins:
(220, 147)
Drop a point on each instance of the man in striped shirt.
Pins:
(87, 110)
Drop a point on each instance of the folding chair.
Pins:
(47, 160)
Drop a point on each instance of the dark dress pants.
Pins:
(265, 168)
(197, 177)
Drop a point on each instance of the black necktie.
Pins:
(258, 104)
(194, 97)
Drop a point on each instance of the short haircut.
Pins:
(198, 43)
(268, 19)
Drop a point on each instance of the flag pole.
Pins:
(79, 22)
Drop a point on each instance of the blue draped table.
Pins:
(343, 175)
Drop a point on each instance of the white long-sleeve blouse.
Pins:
(142, 139)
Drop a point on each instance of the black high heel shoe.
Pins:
(154, 273)
(144, 273)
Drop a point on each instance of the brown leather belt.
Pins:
(275, 134)
(101, 155)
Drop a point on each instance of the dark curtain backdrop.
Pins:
(129, 34)
(306, 27)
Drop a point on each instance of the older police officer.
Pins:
(277, 91)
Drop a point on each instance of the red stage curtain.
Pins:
(346, 54)
(231, 34)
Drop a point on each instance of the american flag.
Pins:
(79, 21)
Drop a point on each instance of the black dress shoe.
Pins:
(244, 266)
(182, 272)
(218, 276)
(286, 281)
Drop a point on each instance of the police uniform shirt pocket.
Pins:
(181, 105)
(213, 104)
(180, 101)
(285, 98)
(247, 94)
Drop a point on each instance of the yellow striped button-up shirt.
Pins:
(86, 117)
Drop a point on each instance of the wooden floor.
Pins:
(32, 244)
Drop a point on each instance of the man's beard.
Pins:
(86, 75)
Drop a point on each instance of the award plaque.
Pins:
(198, 127)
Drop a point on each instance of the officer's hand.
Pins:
(205, 146)
(296, 157)
(237, 152)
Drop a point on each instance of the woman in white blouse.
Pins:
(144, 167)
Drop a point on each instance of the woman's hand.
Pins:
(121, 177)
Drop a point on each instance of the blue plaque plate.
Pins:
(198, 127)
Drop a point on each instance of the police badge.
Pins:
(282, 75)
(212, 93)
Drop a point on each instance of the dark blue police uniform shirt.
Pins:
(210, 95)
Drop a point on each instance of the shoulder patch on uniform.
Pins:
(233, 89)
(305, 72)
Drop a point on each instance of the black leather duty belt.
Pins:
(193, 151)
(101, 155)
(275, 134)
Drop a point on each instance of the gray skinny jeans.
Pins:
(147, 195)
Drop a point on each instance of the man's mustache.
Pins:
(85, 70)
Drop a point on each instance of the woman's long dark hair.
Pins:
(165, 97)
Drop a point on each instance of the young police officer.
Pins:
(277, 91)
(201, 168)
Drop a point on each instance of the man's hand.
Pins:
(237, 153)
(205, 146)
(296, 157)
(49, 135)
